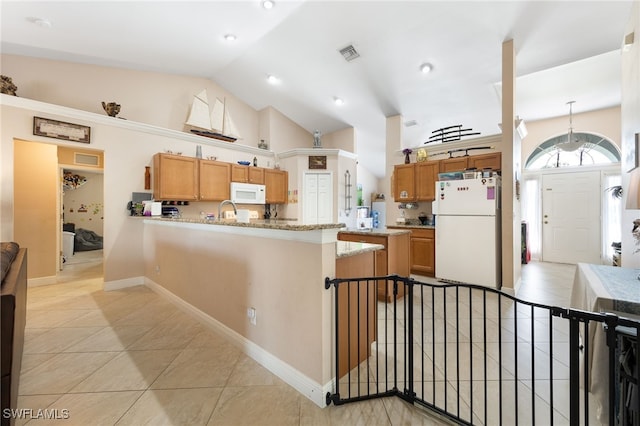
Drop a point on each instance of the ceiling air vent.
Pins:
(349, 53)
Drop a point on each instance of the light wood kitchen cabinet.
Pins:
(247, 174)
(423, 252)
(356, 311)
(175, 177)
(455, 164)
(277, 186)
(491, 161)
(393, 259)
(426, 178)
(404, 182)
(215, 180)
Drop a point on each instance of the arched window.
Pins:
(556, 152)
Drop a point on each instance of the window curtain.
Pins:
(531, 213)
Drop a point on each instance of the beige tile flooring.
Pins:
(129, 357)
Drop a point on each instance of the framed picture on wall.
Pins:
(317, 161)
(61, 130)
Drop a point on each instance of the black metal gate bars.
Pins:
(480, 356)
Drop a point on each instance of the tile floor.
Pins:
(129, 357)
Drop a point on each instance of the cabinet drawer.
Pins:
(423, 233)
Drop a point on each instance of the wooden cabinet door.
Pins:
(423, 252)
(175, 177)
(426, 178)
(456, 164)
(491, 161)
(239, 173)
(256, 175)
(277, 186)
(404, 185)
(215, 179)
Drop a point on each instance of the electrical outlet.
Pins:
(157, 269)
(251, 314)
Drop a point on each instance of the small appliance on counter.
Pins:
(135, 206)
(363, 221)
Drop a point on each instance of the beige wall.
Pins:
(630, 126)
(35, 204)
(148, 98)
(604, 122)
(158, 99)
(223, 274)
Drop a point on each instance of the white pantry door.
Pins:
(317, 198)
(571, 223)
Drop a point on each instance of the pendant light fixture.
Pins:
(572, 142)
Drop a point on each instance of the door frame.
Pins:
(606, 169)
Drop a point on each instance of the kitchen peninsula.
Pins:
(220, 271)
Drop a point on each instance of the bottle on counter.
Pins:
(255, 161)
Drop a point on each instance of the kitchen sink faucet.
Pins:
(235, 210)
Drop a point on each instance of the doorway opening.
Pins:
(38, 207)
(569, 201)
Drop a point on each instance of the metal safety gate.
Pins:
(480, 356)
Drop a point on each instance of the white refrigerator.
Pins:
(468, 238)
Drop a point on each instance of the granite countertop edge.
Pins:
(264, 224)
(411, 225)
(349, 248)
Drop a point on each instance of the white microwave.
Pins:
(247, 193)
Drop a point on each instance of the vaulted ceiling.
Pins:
(566, 50)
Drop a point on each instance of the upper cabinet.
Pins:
(175, 177)
(416, 181)
(215, 179)
(426, 178)
(277, 186)
(247, 174)
(492, 160)
(191, 179)
(404, 182)
(455, 164)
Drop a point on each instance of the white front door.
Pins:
(317, 198)
(571, 223)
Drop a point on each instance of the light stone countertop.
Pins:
(376, 231)
(349, 248)
(287, 225)
(412, 226)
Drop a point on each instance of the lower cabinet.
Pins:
(423, 252)
(393, 259)
(357, 309)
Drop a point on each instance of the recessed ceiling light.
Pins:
(426, 68)
(268, 4)
(230, 37)
(338, 101)
(272, 79)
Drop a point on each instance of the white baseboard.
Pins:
(36, 282)
(127, 282)
(299, 381)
